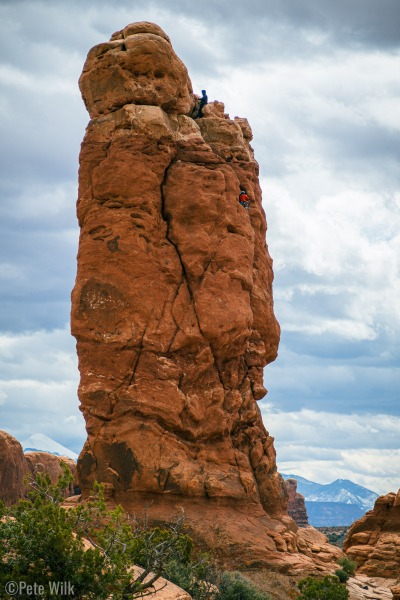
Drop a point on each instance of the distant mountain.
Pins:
(335, 504)
(39, 442)
(332, 514)
(341, 491)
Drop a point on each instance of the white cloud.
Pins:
(324, 446)
(38, 386)
(349, 244)
(27, 83)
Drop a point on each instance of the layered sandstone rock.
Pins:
(13, 469)
(373, 541)
(172, 307)
(296, 503)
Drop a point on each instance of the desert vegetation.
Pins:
(96, 551)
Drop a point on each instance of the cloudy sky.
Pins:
(319, 82)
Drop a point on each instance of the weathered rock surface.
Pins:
(373, 541)
(137, 66)
(13, 469)
(43, 462)
(362, 587)
(296, 504)
(172, 307)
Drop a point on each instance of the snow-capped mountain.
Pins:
(40, 442)
(341, 490)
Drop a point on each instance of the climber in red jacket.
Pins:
(244, 200)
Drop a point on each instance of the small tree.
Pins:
(328, 588)
(348, 569)
(347, 565)
(43, 542)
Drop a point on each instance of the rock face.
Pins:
(172, 308)
(13, 469)
(373, 542)
(296, 503)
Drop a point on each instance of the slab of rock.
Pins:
(373, 541)
(13, 469)
(172, 308)
(362, 587)
(296, 503)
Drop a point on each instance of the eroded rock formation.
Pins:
(13, 469)
(373, 541)
(296, 503)
(15, 466)
(43, 462)
(172, 307)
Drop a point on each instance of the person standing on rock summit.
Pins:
(202, 103)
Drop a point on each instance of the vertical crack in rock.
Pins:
(176, 247)
(172, 306)
(186, 280)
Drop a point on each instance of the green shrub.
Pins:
(347, 565)
(42, 543)
(342, 575)
(328, 588)
(233, 586)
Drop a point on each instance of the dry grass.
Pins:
(277, 585)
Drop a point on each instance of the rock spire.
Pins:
(296, 503)
(172, 308)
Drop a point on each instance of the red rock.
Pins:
(296, 504)
(44, 462)
(139, 66)
(13, 469)
(172, 307)
(373, 541)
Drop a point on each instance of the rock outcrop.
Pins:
(296, 503)
(44, 462)
(373, 541)
(13, 469)
(172, 308)
(15, 466)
